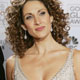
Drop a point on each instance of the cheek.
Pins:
(48, 22)
(47, 19)
(28, 25)
(30, 30)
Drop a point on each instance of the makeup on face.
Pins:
(40, 28)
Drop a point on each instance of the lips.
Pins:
(39, 28)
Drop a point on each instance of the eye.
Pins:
(42, 13)
(28, 17)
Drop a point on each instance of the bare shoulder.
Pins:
(76, 55)
(10, 60)
(76, 59)
(10, 67)
(10, 63)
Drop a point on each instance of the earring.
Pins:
(51, 28)
(25, 35)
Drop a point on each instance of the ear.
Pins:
(51, 19)
(23, 26)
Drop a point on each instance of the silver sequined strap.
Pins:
(16, 64)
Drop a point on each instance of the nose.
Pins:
(37, 20)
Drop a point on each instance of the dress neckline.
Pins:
(69, 54)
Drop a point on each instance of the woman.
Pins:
(36, 31)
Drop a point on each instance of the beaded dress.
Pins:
(65, 73)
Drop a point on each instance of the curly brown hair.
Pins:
(16, 34)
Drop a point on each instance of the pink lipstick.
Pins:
(39, 28)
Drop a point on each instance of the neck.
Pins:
(45, 45)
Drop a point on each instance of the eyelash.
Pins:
(29, 17)
(42, 13)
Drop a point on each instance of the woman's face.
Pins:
(37, 20)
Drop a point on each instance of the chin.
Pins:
(41, 37)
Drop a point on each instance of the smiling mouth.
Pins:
(39, 28)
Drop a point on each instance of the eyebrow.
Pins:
(31, 13)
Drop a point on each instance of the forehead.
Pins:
(33, 6)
